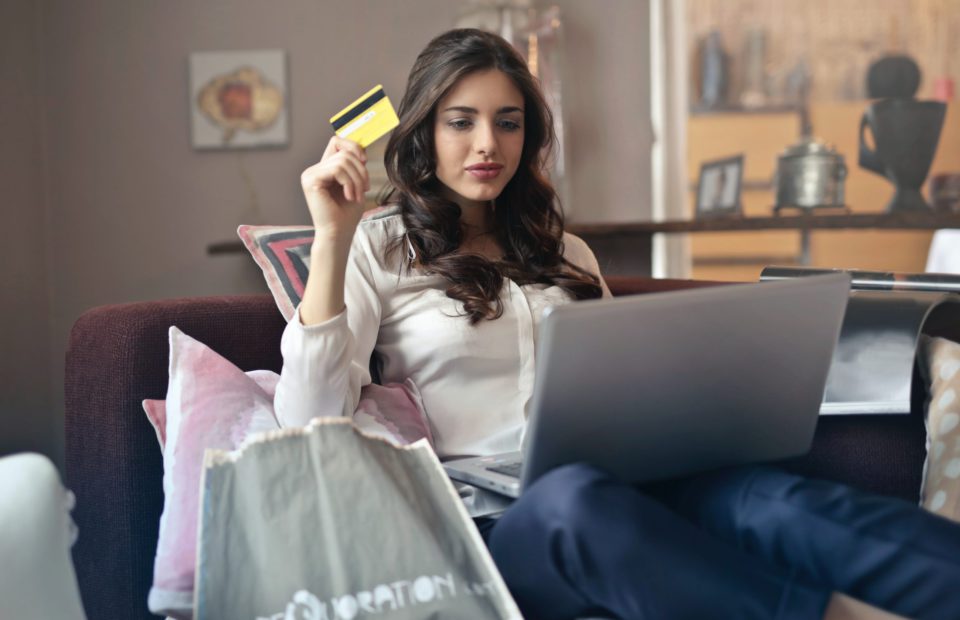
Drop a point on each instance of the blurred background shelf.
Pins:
(747, 244)
(881, 243)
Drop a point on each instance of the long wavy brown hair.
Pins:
(528, 224)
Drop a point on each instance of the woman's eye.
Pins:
(462, 124)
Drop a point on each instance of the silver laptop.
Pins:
(656, 386)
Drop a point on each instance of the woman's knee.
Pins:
(561, 495)
(554, 503)
(531, 542)
(576, 502)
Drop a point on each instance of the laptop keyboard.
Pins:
(507, 469)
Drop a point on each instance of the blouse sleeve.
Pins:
(325, 365)
(579, 253)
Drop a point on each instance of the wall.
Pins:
(27, 420)
(607, 90)
(132, 207)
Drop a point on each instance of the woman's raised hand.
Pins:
(334, 188)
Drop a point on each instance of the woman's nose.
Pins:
(485, 139)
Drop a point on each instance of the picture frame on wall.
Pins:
(238, 99)
(719, 187)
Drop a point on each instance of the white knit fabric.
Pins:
(37, 579)
(944, 254)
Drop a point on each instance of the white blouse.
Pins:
(475, 381)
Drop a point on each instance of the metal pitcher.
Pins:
(810, 175)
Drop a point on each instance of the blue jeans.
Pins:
(751, 542)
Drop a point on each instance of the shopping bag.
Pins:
(326, 523)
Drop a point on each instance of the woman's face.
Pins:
(478, 136)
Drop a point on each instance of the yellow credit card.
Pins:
(367, 119)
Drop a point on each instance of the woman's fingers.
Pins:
(337, 144)
(349, 173)
(355, 182)
(350, 146)
(335, 186)
(343, 178)
(361, 169)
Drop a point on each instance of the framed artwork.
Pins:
(718, 191)
(238, 99)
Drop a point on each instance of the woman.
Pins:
(446, 288)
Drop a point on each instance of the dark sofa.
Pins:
(117, 356)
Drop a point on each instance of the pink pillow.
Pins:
(393, 411)
(213, 404)
(156, 410)
(210, 404)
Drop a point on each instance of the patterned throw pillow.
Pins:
(283, 253)
(940, 492)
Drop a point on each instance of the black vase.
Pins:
(906, 133)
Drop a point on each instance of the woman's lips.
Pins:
(485, 173)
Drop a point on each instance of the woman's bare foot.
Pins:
(842, 607)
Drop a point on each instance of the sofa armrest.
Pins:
(881, 454)
(116, 357)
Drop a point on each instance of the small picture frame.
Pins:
(718, 190)
(238, 99)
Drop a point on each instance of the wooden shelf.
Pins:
(767, 109)
(746, 186)
(225, 247)
(926, 220)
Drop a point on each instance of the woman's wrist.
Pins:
(328, 244)
(323, 293)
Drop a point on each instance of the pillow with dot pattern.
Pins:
(940, 491)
